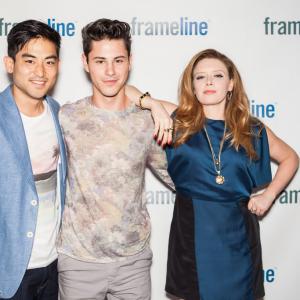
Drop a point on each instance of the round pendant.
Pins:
(220, 179)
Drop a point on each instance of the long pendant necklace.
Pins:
(220, 179)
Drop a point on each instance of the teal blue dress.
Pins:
(214, 244)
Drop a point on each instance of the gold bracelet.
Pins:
(141, 98)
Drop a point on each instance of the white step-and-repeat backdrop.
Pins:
(263, 39)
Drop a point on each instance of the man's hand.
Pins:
(163, 124)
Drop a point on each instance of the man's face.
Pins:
(34, 70)
(108, 65)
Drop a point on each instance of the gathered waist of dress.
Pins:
(217, 199)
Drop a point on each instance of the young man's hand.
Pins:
(163, 124)
(160, 110)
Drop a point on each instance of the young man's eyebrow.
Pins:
(51, 57)
(27, 55)
(100, 57)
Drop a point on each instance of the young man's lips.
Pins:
(110, 82)
(39, 82)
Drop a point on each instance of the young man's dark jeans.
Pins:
(39, 284)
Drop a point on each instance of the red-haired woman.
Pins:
(220, 154)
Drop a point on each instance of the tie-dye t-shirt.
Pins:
(105, 217)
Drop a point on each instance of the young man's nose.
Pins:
(110, 69)
(39, 69)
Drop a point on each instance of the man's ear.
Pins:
(58, 63)
(85, 63)
(9, 64)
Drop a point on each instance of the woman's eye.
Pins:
(219, 76)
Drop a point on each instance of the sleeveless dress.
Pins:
(214, 244)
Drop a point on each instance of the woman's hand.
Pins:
(260, 204)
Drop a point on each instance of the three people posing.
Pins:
(219, 155)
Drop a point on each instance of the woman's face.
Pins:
(211, 82)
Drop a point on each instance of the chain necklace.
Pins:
(220, 179)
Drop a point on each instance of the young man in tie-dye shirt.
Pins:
(104, 241)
